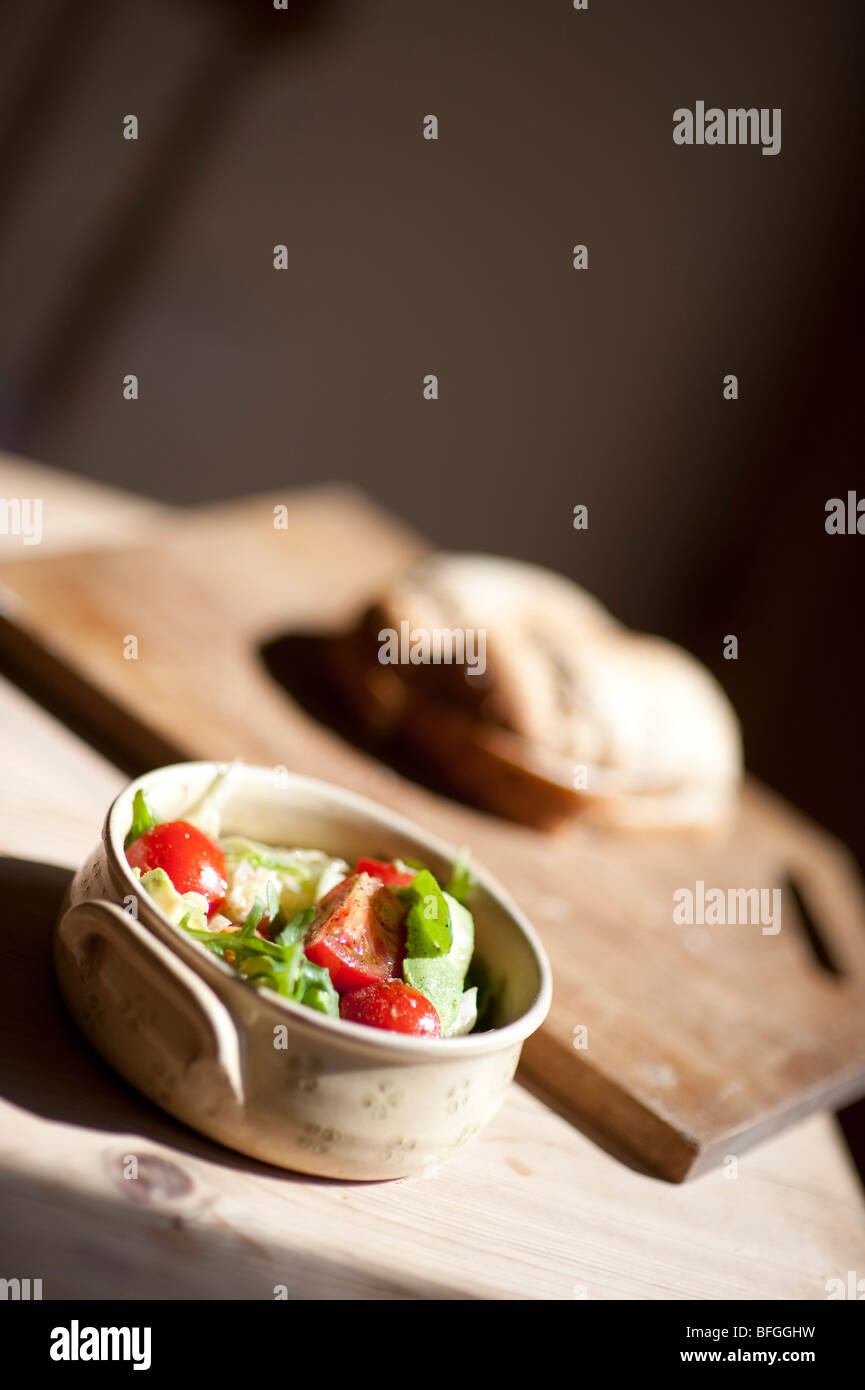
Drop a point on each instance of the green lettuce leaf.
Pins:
(440, 980)
(143, 819)
(206, 813)
(462, 880)
(428, 924)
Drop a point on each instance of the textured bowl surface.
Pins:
(273, 1079)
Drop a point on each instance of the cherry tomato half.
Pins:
(387, 872)
(193, 862)
(394, 1005)
(358, 932)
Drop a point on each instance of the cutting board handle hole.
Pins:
(821, 949)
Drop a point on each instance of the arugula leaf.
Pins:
(256, 912)
(428, 924)
(317, 989)
(143, 819)
(296, 928)
(280, 964)
(462, 879)
(259, 970)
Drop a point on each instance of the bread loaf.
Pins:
(572, 715)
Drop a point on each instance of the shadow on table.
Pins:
(49, 1069)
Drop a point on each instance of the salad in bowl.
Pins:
(380, 943)
(298, 972)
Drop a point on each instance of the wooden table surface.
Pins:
(533, 1209)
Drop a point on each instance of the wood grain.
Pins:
(75, 513)
(533, 1210)
(700, 1040)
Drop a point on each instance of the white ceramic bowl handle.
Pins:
(118, 979)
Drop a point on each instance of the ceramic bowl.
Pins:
(267, 1077)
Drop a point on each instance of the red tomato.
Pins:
(193, 862)
(393, 1005)
(388, 873)
(358, 933)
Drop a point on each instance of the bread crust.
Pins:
(575, 714)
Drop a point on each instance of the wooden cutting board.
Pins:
(675, 1046)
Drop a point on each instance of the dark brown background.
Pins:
(409, 257)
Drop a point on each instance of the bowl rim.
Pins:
(377, 1040)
